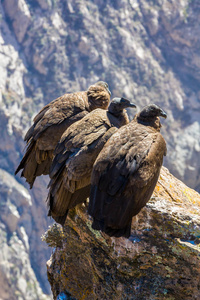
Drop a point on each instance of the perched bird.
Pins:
(75, 155)
(126, 171)
(52, 121)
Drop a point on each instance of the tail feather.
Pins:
(25, 157)
(60, 200)
(34, 163)
(123, 232)
(29, 133)
(112, 232)
(59, 219)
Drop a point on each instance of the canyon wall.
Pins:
(147, 51)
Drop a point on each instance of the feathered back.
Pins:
(52, 121)
(125, 174)
(75, 155)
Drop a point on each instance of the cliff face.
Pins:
(23, 215)
(160, 260)
(18, 279)
(145, 50)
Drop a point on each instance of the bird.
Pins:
(75, 154)
(50, 123)
(126, 171)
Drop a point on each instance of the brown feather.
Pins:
(52, 121)
(125, 174)
(76, 152)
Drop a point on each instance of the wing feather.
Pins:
(124, 176)
(75, 154)
(79, 147)
(120, 158)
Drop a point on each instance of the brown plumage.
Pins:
(52, 121)
(126, 171)
(75, 154)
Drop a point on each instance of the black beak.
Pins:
(132, 105)
(163, 114)
(127, 103)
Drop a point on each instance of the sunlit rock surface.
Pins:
(161, 259)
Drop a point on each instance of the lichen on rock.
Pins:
(54, 236)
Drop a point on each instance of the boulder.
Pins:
(160, 260)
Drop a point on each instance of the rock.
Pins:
(18, 13)
(44, 4)
(145, 50)
(18, 280)
(20, 215)
(160, 260)
(15, 197)
(151, 16)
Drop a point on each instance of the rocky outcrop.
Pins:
(160, 260)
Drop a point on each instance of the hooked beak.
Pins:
(163, 114)
(132, 105)
(109, 92)
(127, 103)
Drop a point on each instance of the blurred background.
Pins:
(147, 51)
